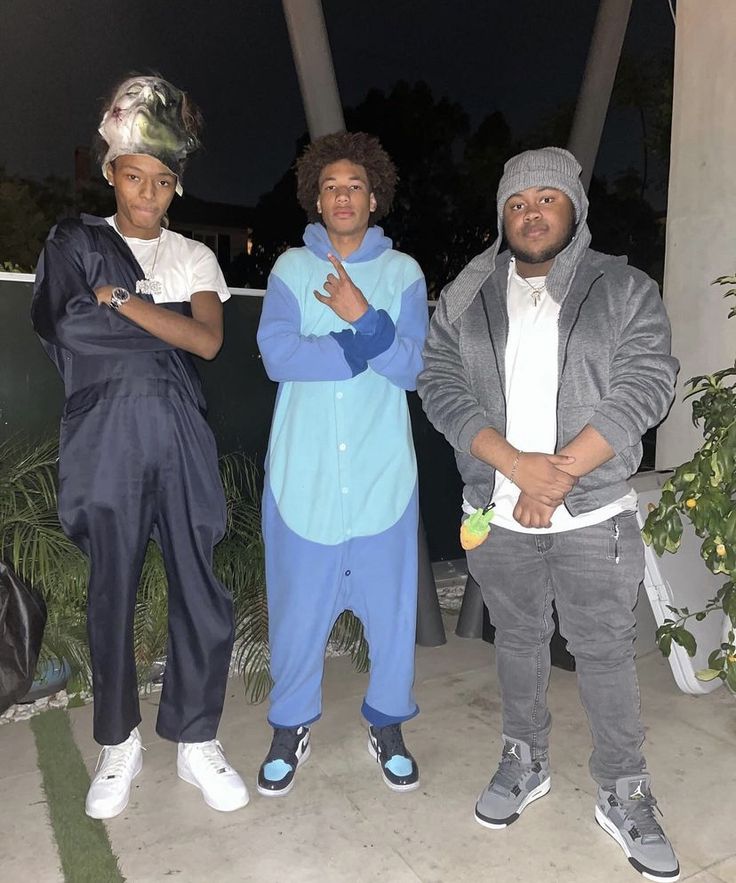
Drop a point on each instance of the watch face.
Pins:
(119, 296)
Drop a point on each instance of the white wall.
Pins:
(701, 216)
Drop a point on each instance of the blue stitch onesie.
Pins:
(340, 500)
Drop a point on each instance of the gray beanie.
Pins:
(548, 167)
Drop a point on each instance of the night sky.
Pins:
(60, 58)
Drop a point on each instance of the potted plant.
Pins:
(703, 490)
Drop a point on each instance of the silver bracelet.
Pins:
(514, 465)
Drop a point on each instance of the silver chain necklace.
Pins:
(149, 285)
(535, 290)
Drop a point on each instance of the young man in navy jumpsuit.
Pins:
(120, 303)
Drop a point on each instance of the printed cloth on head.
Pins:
(148, 115)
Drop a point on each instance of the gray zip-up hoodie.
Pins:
(615, 370)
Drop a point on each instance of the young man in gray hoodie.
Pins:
(544, 367)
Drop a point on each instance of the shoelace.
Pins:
(284, 744)
(641, 813)
(214, 757)
(391, 741)
(114, 759)
(508, 773)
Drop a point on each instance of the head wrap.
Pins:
(148, 115)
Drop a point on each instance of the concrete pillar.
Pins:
(595, 91)
(313, 60)
(701, 231)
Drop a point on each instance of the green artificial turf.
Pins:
(83, 844)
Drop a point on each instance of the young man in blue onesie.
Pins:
(343, 325)
(119, 304)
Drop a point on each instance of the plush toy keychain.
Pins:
(476, 527)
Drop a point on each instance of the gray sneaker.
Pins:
(627, 814)
(517, 782)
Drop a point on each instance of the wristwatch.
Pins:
(119, 297)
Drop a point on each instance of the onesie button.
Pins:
(338, 395)
(342, 446)
(344, 490)
(347, 573)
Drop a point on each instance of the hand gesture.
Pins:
(538, 476)
(343, 296)
(531, 513)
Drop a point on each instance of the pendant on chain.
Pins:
(148, 286)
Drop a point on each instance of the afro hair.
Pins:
(356, 147)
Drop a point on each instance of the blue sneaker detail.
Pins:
(290, 748)
(398, 768)
(276, 770)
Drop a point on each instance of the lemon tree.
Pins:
(703, 490)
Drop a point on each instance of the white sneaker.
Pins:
(117, 766)
(204, 765)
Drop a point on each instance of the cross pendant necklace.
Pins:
(535, 291)
(149, 285)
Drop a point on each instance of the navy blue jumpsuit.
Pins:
(137, 460)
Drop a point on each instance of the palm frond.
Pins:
(347, 637)
(150, 625)
(239, 564)
(30, 534)
(27, 479)
(65, 637)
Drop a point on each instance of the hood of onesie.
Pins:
(374, 244)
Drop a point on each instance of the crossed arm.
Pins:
(393, 350)
(66, 310)
(200, 334)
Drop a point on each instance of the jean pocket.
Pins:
(613, 552)
(623, 529)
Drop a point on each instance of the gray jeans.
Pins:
(593, 574)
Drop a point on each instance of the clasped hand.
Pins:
(343, 296)
(539, 477)
(543, 487)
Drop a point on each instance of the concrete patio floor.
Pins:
(340, 823)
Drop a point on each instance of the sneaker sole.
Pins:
(223, 806)
(611, 829)
(117, 808)
(284, 791)
(539, 791)
(412, 786)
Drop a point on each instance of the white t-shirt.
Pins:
(531, 399)
(183, 266)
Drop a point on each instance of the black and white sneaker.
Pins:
(398, 768)
(290, 748)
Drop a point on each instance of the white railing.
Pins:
(30, 277)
